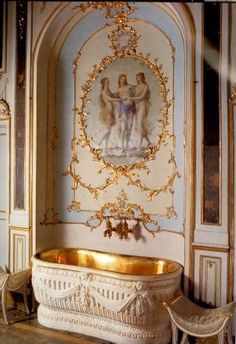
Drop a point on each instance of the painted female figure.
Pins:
(141, 98)
(126, 109)
(107, 113)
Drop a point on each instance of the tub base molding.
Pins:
(103, 328)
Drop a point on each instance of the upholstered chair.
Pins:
(200, 322)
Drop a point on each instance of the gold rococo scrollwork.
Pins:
(124, 170)
(171, 212)
(119, 11)
(122, 212)
(120, 33)
(75, 206)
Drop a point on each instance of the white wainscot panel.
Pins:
(210, 278)
(19, 248)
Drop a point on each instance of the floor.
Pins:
(25, 329)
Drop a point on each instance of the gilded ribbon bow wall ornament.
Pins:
(124, 41)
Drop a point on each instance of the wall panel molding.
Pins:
(5, 127)
(206, 232)
(20, 252)
(210, 277)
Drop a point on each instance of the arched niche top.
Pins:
(66, 17)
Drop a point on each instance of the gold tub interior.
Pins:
(111, 262)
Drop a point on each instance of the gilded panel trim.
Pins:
(210, 248)
(231, 191)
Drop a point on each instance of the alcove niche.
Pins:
(72, 39)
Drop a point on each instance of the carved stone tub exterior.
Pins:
(109, 296)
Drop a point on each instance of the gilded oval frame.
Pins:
(161, 139)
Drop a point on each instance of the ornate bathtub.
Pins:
(109, 296)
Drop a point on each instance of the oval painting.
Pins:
(124, 111)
